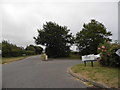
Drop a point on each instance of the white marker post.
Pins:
(118, 52)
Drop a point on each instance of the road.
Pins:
(34, 73)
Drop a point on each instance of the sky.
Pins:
(22, 18)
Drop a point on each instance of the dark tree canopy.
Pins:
(38, 49)
(35, 49)
(90, 36)
(12, 50)
(30, 48)
(56, 38)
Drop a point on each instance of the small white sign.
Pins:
(90, 57)
(118, 52)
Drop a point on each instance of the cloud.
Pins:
(22, 19)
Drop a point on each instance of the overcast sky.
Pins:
(22, 18)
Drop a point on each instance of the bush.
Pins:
(15, 53)
(108, 54)
(35, 49)
(11, 50)
(75, 53)
(30, 53)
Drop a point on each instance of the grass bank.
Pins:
(72, 56)
(105, 75)
(11, 59)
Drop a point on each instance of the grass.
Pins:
(72, 56)
(11, 59)
(105, 75)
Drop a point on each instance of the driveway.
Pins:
(34, 73)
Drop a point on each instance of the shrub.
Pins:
(11, 50)
(108, 55)
(30, 53)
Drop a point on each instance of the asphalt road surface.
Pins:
(34, 73)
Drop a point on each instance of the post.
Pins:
(85, 63)
(92, 63)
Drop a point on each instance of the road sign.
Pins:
(90, 58)
(118, 52)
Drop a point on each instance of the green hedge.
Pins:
(30, 53)
(10, 50)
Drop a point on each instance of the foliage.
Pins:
(31, 49)
(108, 55)
(90, 36)
(11, 59)
(38, 49)
(104, 75)
(10, 50)
(56, 38)
(74, 56)
(0, 46)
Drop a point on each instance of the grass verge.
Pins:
(11, 59)
(105, 75)
(72, 56)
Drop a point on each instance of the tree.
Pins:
(6, 49)
(30, 48)
(90, 36)
(34, 49)
(38, 49)
(10, 50)
(56, 38)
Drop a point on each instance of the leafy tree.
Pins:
(34, 49)
(10, 50)
(56, 38)
(30, 48)
(90, 36)
(38, 49)
(6, 49)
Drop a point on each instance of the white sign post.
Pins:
(90, 58)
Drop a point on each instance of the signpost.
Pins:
(90, 58)
(118, 52)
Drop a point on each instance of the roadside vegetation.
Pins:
(56, 38)
(104, 75)
(108, 54)
(11, 52)
(74, 55)
(6, 60)
(92, 39)
(106, 69)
